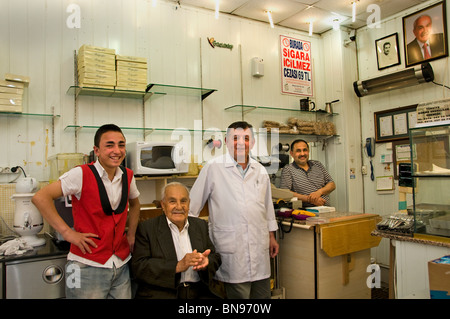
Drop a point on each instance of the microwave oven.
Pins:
(156, 158)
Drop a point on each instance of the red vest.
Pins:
(89, 217)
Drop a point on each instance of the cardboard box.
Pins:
(97, 70)
(92, 59)
(106, 84)
(10, 107)
(128, 58)
(126, 78)
(129, 64)
(439, 278)
(131, 86)
(90, 64)
(11, 96)
(11, 90)
(99, 76)
(86, 47)
(98, 55)
(11, 84)
(17, 78)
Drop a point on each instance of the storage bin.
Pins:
(62, 162)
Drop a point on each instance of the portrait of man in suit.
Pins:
(429, 40)
(173, 255)
(387, 51)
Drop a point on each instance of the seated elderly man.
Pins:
(173, 255)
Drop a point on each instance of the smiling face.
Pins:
(111, 150)
(239, 143)
(175, 204)
(300, 154)
(422, 28)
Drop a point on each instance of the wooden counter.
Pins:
(327, 260)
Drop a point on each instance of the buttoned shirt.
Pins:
(241, 215)
(72, 183)
(298, 180)
(182, 243)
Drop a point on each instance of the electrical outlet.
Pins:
(364, 170)
(7, 170)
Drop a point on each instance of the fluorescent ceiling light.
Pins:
(269, 15)
(217, 9)
(310, 28)
(353, 11)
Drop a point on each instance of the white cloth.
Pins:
(72, 184)
(241, 215)
(182, 243)
(16, 246)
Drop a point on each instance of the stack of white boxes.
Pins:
(96, 67)
(11, 92)
(131, 73)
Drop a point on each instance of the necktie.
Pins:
(426, 53)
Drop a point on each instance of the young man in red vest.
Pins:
(101, 194)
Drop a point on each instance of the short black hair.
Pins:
(298, 141)
(241, 124)
(103, 129)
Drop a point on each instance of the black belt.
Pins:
(188, 290)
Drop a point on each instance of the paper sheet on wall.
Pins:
(385, 183)
(386, 126)
(433, 113)
(403, 152)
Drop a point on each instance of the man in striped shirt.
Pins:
(308, 179)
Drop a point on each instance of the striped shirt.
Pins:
(304, 182)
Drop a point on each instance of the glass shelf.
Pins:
(147, 130)
(89, 91)
(250, 108)
(28, 114)
(179, 90)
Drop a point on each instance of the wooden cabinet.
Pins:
(328, 260)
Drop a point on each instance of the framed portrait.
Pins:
(425, 35)
(387, 51)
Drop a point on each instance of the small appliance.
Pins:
(157, 158)
(28, 220)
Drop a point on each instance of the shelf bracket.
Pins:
(250, 110)
(148, 132)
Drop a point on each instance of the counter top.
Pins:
(333, 217)
(342, 233)
(442, 242)
(50, 249)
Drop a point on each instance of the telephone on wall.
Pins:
(370, 151)
(370, 146)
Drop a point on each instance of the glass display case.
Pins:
(431, 174)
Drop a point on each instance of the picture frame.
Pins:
(394, 124)
(430, 25)
(387, 50)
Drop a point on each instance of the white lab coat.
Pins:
(241, 215)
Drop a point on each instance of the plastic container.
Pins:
(62, 162)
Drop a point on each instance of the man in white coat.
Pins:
(241, 215)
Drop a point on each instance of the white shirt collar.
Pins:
(102, 172)
(186, 225)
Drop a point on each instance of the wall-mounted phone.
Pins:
(370, 151)
(370, 147)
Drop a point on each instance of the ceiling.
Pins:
(296, 14)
